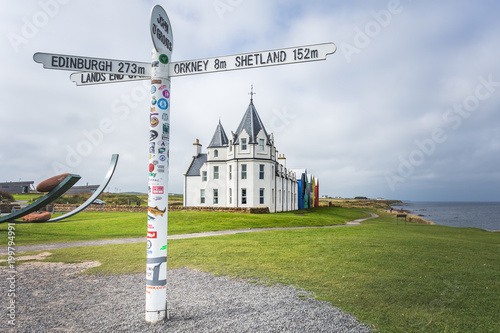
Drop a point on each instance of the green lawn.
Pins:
(397, 278)
(98, 225)
(27, 196)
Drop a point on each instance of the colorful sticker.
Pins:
(162, 87)
(156, 211)
(164, 116)
(152, 147)
(161, 150)
(153, 89)
(161, 168)
(152, 234)
(154, 121)
(149, 244)
(153, 101)
(166, 93)
(156, 82)
(163, 58)
(162, 158)
(153, 135)
(166, 129)
(151, 167)
(158, 190)
(162, 103)
(155, 64)
(164, 247)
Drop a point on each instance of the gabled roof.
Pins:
(299, 173)
(220, 138)
(196, 164)
(252, 124)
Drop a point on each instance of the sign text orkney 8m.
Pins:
(159, 142)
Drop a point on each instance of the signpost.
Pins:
(159, 71)
(159, 143)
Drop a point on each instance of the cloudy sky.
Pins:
(407, 108)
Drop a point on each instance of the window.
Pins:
(243, 196)
(202, 196)
(261, 171)
(230, 172)
(272, 172)
(230, 196)
(261, 196)
(231, 145)
(272, 197)
(216, 196)
(216, 172)
(261, 144)
(216, 153)
(279, 196)
(243, 144)
(243, 171)
(203, 176)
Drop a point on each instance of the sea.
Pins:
(483, 215)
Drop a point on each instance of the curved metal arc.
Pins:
(102, 187)
(59, 190)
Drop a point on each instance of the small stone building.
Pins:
(17, 187)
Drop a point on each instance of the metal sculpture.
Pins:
(105, 182)
(59, 190)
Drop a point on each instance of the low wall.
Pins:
(249, 210)
(100, 208)
(7, 207)
(139, 209)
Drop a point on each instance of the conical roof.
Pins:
(252, 124)
(220, 138)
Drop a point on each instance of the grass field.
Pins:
(397, 278)
(98, 225)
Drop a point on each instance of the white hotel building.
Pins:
(240, 171)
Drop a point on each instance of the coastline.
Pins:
(480, 215)
(411, 218)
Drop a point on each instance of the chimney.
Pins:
(282, 159)
(196, 148)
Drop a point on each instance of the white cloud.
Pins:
(351, 118)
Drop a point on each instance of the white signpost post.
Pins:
(98, 71)
(159, 142)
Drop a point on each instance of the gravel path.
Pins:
(51, 298)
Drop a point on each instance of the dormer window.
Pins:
(216, 153)
(243, 144)
(261, 144)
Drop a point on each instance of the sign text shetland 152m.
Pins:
(253, 59)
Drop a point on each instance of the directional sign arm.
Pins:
(253, 59)
(86, 64)
(90, 78)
